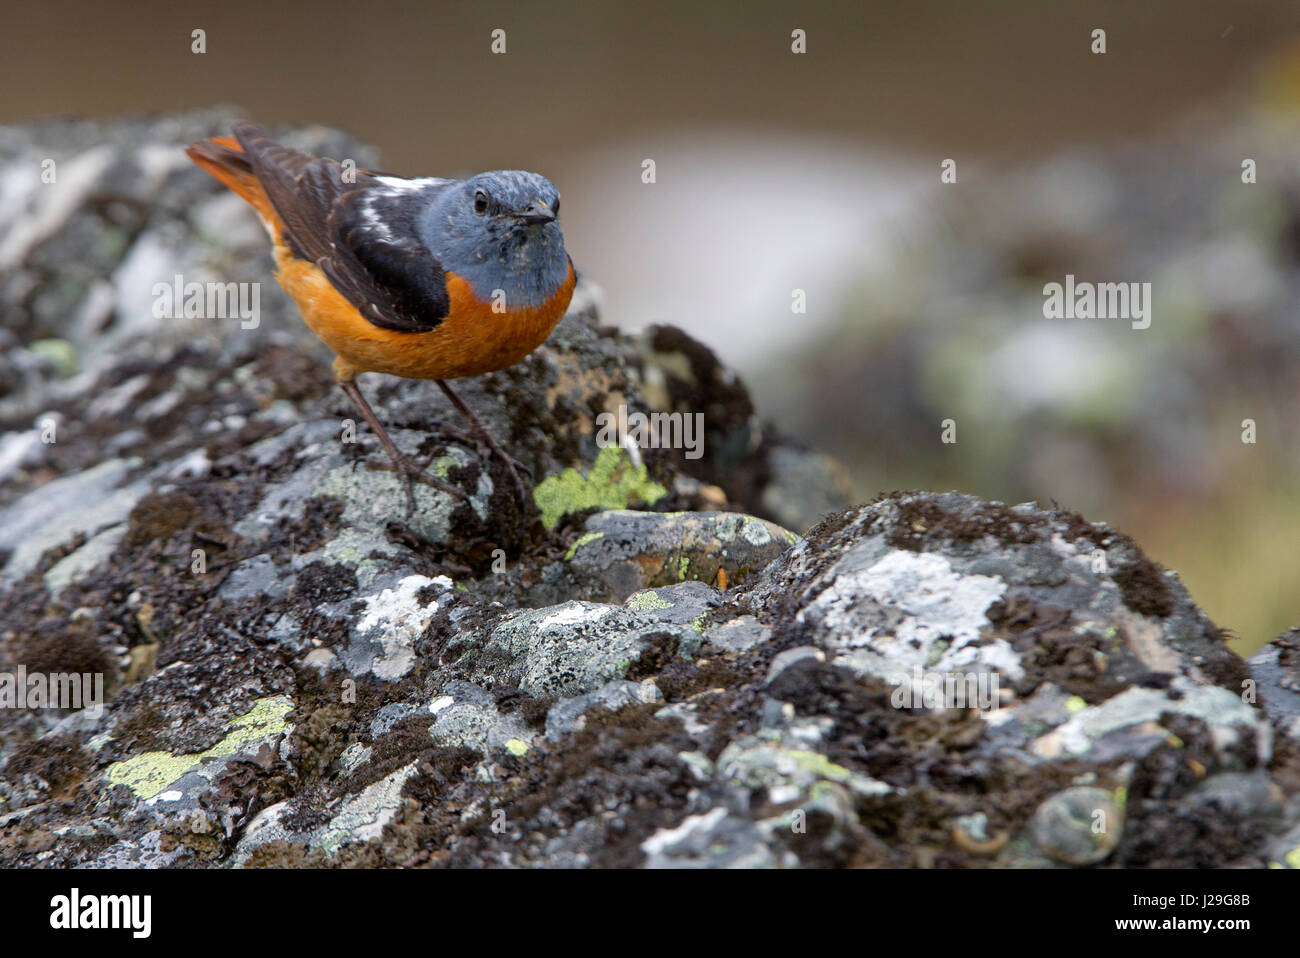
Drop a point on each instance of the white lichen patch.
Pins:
(755, 532)
(912, 609)
(666, 839)
(573, 613)
(396, 618)
(364, 816)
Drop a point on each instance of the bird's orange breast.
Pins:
(472, 339)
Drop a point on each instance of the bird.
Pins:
(424, 277)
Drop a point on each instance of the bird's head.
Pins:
(499, 230)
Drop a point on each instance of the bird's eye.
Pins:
(481, 201)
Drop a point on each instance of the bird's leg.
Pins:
(405, 468)
(486, 436)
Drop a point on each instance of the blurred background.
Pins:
(819, 172)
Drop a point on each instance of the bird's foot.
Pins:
(409, 472)
(487, 446)
(485, 437)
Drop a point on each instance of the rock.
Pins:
(570, 649)
(642, 667)
(469, 717)
(1079, 826)
(631, 551)
(384, 636)
(789, 657)
(1276, 670)
(566, 716)
(712, 839)
(739, 634)
(687, 603)
(322, 660)
(85, 503)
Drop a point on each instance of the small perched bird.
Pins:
(425, 278)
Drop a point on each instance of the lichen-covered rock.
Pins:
(298, 672)
(1276, 671)
(631, 551)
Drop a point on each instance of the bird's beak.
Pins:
(537, 212)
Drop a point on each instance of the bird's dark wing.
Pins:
(378, 260)
(361, 234)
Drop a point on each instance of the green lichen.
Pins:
(821, 789)
(817, 764)
(683, 566)
(60, 352)
(582, 541)
(517, 747)
(647, 601)
(150, 773)
(613, 483)
(1075, 703)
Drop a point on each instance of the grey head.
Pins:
(499, 231)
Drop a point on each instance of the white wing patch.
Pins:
(402, 185)
(373, 222)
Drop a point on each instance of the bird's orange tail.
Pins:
(224, 159)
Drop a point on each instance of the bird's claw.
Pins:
(409, 471)
(486, 446)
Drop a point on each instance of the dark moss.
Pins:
(293, 376)
(679, 680)
(922, 521)
(1142, 584)
(660, 649)
(59, 760)
(322, 582)
(57, 645)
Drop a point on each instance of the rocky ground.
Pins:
(657, 661)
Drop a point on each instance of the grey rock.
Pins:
(565, 717)
(686, 603)
(627, 551)
(739, 634)
(569, 649)
(789, 657)
(87, 502)
(256, 575)
(1279, 683)
(1079, 826)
